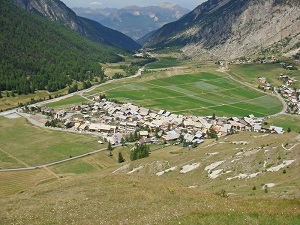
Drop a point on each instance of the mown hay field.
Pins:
(201, 93)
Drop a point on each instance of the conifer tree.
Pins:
(109, 148)
(120, 158)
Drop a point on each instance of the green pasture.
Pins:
(64, 103)
(201, 93)
(24, 145)
(164, 62)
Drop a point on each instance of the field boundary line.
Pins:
(228, 104)
(15, 158)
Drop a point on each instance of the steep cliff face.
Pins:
(56, 10)
(233, 28)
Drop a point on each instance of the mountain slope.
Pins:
(115, 38)
(38, 54)
(232, 28)
(137, 21)
(57, 11)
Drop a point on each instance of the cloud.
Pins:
(96, 3)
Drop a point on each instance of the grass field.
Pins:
(25, 145)
(165, 62)
(121, 199)
(286, 121)
(197, 94)
(65, 103)
(14, 182)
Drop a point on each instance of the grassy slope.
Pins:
(132, 199)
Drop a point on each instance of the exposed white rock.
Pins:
(269, 185)
(243, 176)
(166, 171)
(213, 165)
(214, 174)
(135, 169)
(190, 167)
(282, 165)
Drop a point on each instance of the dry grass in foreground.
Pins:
(133, 199)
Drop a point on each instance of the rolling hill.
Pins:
(220, 29)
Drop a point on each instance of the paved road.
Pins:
(283, 102)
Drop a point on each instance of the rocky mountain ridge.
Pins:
(219, 29)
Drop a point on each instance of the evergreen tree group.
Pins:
(140, 151)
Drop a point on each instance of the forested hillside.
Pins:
(57, 11)
(37, 54)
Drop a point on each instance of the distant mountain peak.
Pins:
(168, 5)
(137, 21)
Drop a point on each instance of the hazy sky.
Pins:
(189, 4)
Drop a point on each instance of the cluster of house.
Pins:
(291, 95)
(263, 81)
(244, 60)
(115, 121)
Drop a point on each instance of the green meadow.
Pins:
(164, 62)
(249, 73)
(67, 102)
